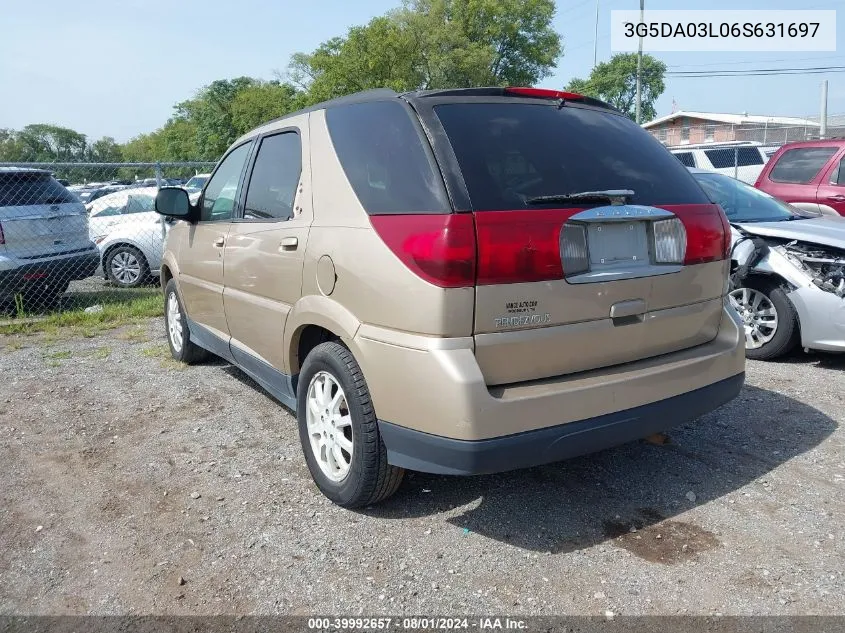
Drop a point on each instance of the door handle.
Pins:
(219, 242)
(838, 197)
(288, 244)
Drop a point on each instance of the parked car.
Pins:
(196, 183)
(44, 242)
(87, 196)
(788, 281)
(456, 281)
(809, 175)
(129, 234)
(741, 160)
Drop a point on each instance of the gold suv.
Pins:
(456, 281)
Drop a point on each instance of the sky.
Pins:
(116, 68)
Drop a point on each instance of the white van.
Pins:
(743, 161)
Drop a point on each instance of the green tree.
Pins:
(435, 44)
(105, 150)
(211, 112)
(615, 82)
(262, 102)
(42, 142)
(10, 149)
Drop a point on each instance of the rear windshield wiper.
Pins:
(619, 196)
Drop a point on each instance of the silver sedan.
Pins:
(787, 271)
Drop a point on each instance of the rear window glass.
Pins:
(730, 156)
(385, 161)
(509, 153)
(686, 158)
(29, 189)
(801, 165)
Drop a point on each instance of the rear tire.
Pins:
(787, 333)
(44, 296)
(126, 266)
(350, 478)
(178, 333)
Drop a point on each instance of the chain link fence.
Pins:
(73, 232)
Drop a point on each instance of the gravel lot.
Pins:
(131, 484)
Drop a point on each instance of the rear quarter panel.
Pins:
(371, 283)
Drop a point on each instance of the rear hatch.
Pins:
(39, 217)
(568, 285)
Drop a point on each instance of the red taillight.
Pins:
(519, 246)
(542, 93)
(438, 248)
(708, 233)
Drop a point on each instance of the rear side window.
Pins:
(801, 165)
(385, 160)
(140, 204)
(729, 156)
(686, 158)
(272, 187)
(28, 189)
(509, 153)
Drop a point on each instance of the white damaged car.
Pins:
(787, 270)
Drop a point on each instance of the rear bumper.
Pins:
(71, 268)
(432, 389)
(435, 454)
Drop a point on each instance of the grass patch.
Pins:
(63, 355)
(174, 365)
(120, 308)
(156, 351)
(101, 353)
(136, 334)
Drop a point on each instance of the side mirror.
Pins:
(173, 202)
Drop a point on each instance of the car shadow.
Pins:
(827, 360)
(628, 494)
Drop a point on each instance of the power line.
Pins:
(757, 61)
(754, 72)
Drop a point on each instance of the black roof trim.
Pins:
(381, 94)
(376, 94)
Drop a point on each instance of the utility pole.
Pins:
(640, 70)
(596, 37)
(823, 112)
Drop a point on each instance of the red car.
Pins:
(809, 175)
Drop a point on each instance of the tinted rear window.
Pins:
(801, 165)
(729, 156)
(385, 161)
(686, 158)
(509, 153)
(28, 189)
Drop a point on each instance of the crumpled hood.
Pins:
(827, 231)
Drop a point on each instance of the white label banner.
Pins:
(728, 31)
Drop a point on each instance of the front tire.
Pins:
(126, 267)
(338, 430)
(178, 334)
(771, 322)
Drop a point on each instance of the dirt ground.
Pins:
(130, 484)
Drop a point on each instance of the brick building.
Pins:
(682, 128)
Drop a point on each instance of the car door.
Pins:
(831, 191)
(265, 249)
(200, 249)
